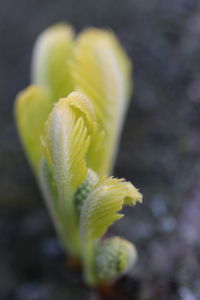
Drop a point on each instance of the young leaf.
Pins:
(65, 143)
(50, 62)
(101, 70)
(103, 204)
(99, 211)
(67, 139)
(32, 107)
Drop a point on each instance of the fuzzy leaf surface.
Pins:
(66, 141)
(104, 203)
(51, 59)
(101, 69)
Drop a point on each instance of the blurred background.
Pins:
(159, 151)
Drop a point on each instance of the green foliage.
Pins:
(72, 144)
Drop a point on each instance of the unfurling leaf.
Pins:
(104, 203)
(101, 69)
(99, 211)
(66, 140)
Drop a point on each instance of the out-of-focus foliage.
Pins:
(51, 59)
(32, 109)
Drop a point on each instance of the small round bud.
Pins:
(114, 258)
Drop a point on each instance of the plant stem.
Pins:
(89, 246)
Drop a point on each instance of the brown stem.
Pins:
(107, 292)
(74, 264)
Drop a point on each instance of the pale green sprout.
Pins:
(73, 148)
(69, 135)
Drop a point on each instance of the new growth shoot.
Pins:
(70, 120)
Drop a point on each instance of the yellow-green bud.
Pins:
(114, 258)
